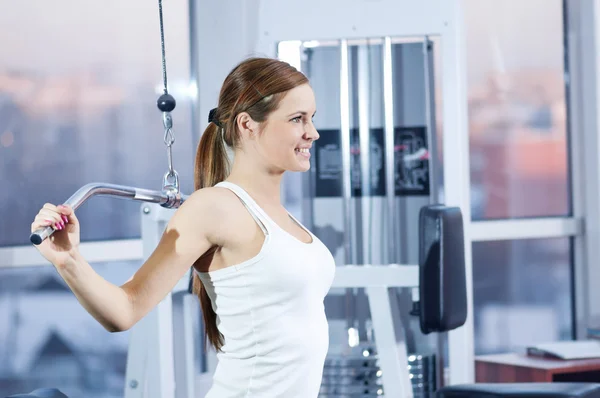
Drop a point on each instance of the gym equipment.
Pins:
(160, 342)
(153, 348)
(441, 257)
(169, 196)
(443, 291)
(359, 373)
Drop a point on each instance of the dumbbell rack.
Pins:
(357, 374)
(422, 370)
(352, 375)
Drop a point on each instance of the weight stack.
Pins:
(422, 373)
(357, 375)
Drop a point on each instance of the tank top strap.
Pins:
(253, 208)
(301, 225)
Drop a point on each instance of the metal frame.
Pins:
(403, 19)
(583, 41)
(364, 128)
(363, 205)
(390, 184)
(93, 252)
(151, 356)
(432, 133)
(535, 228)
(194, 68)
(457, 174)
(349, 249)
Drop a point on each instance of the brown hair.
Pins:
(255, 86)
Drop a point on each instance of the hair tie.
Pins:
(212, 117)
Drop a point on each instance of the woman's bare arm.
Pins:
(189, 234)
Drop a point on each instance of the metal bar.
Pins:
(582, 92)
(364, 275)
(390, 174)
(574, 59)
(457, 186)
(190, 310)
(434, 185)
(361, 42)
(137, 358)
(309, 180)
(164, 198)
(535, 228)
(364, 134)
(150, 360)
(430, 119)
(185, 313)
(160, 369)
(366, 200)
(345, 146)
(93, 252)
(390, 341)
(194, 69)
(349, 233)
(161, 378)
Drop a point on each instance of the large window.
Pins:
(517, 108)
(519, 158)
(522, 293)
(47, 339)
(78, 88)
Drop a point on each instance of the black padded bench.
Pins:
(521, 390)
(41, 393)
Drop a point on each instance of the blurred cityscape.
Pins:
(60, 133)
(518, 137)
(47, 339)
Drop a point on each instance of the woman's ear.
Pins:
(246, 125)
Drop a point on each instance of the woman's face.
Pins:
(288, 134)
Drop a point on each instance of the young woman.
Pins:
(260, 275)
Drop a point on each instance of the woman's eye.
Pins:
(297, 119)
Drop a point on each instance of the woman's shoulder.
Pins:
(216, 204)
(220, 213)
(212, 200)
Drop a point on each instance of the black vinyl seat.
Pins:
(521, 390)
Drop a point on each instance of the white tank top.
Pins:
(270, 311)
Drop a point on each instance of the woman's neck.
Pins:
(260, 183)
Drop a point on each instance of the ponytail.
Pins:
(211, 167)
(212, 163)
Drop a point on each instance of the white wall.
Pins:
(227, 31)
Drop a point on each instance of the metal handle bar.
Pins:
(166, 198)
